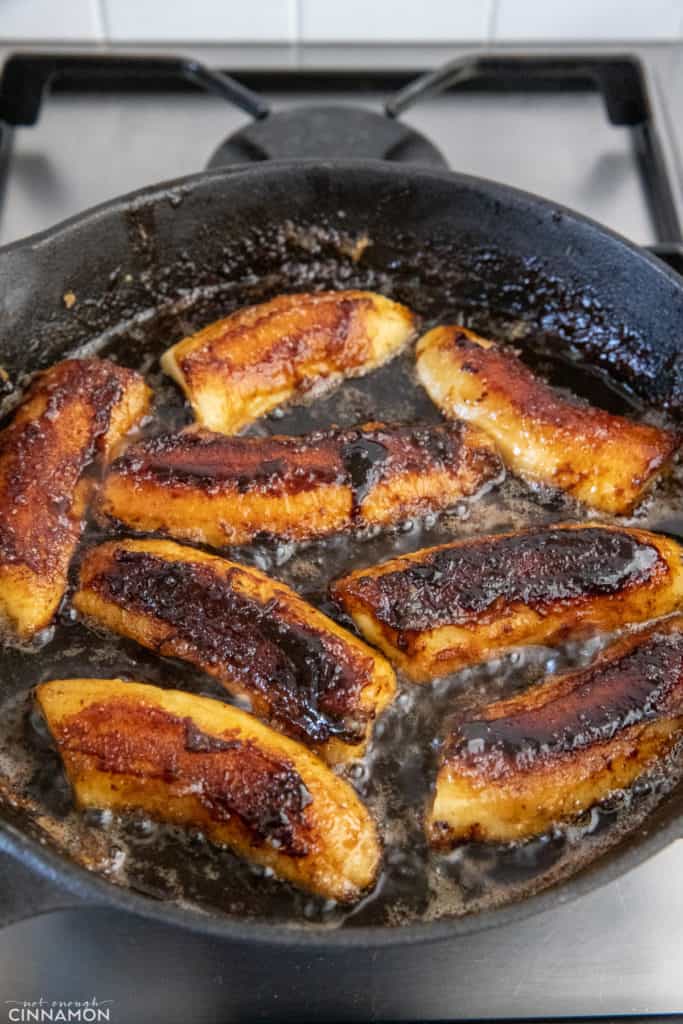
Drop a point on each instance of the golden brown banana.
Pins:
(439, 609)
(198, 762)
(72, 417)
(522, 765)
(221, 490)
(241, 367)
(605, 461)
(301, 671)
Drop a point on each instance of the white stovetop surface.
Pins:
(616, 951)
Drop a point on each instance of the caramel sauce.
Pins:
(228, 777)
(537, 568)
(310, 681)
(395, 777)
(587, 707)
(41, 468)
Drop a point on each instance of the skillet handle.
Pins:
(28, 887)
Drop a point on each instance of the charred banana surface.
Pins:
(72, 417)
(198, 762)
(437, 610)
(523, 765)
(603, 460)
(239, 368)
(300, 670)
(223, 490)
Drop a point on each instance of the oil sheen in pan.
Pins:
(395, 776)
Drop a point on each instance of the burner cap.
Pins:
(327, 132)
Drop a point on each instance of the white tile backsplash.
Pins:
(202, 21)
(324, 21)
(556, 20)
(68, 20)
(340, 21)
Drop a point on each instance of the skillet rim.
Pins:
(77, 888)
(82, 888)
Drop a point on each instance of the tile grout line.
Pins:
(493, 21)
(102, 19)
(295, 19)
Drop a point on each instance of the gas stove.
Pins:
(596, 130)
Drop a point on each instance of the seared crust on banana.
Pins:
(198, 762)
(439, 609)
(546, 755)
(301, 671)
(239, 368)
(72, 417)
(603, 460)
(220, 490)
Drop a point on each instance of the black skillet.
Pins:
(438, 241)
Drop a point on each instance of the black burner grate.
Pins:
(335, 131)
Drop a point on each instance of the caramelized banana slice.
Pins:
(74, 414)
(544, 756)
(225, 490)
(239, 368)
(301, 671)
(606, 461)
(437, 610)
(198, 762)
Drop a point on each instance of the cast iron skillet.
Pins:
(469, 244)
